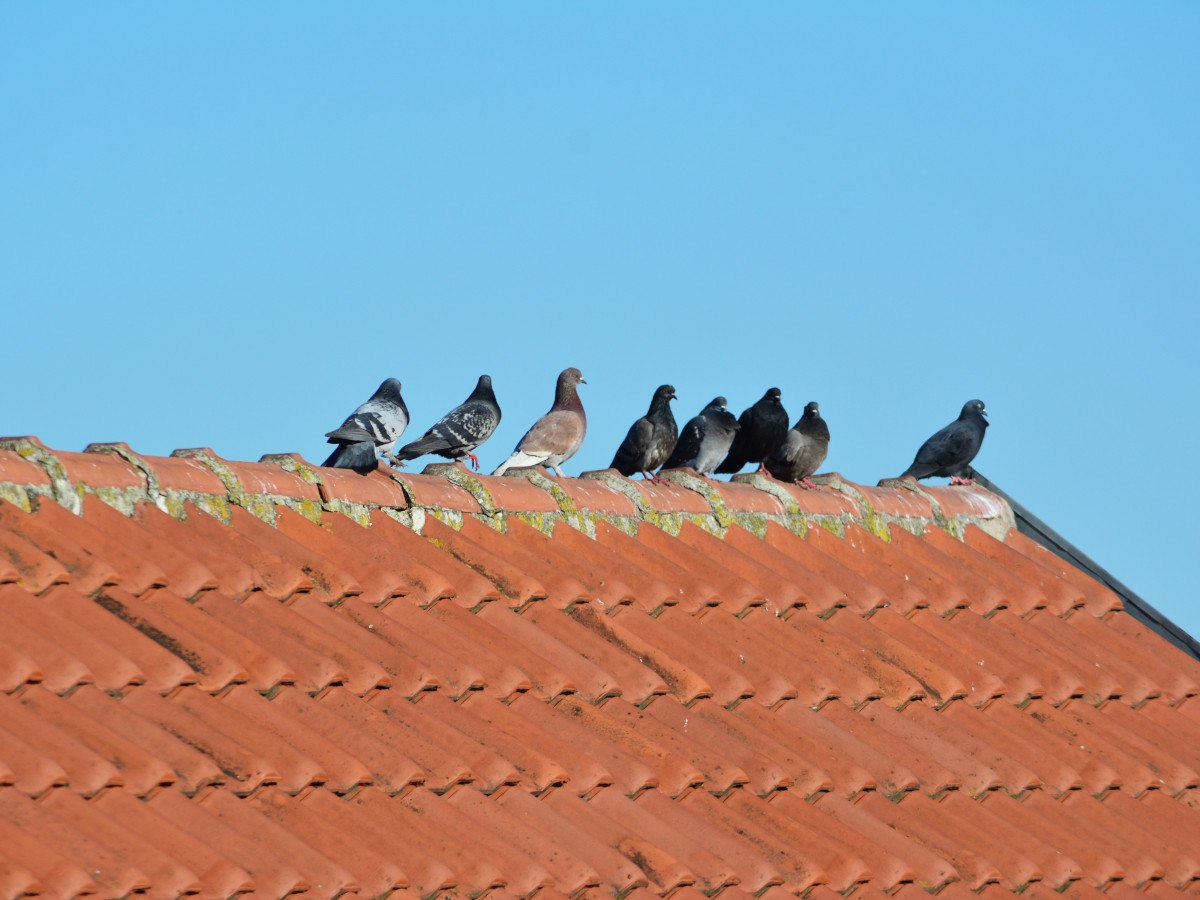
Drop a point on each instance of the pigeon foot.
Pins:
(805, 483)
(474, 461)
(967, 481)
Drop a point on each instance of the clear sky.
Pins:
(224, 224)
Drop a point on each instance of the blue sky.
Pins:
(224, 225)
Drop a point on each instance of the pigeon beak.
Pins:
(583, 381)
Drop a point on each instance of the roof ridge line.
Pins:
(122, 478)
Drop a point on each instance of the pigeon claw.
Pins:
(956, 480)
(805, 483)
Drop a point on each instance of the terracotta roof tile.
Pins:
(23, 564)
(192, 766)
(33, 867)
(15, 469)
(93, 555)
(68, 835)
(375, 489)
(272, 573)
(267, 678)
(100, 470)
(316, 822)
(152, 860)
(399, 834)
(471, 548)
(862, 594)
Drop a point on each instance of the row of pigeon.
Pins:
(713, 441)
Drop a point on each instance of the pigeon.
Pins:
(650, 439)
(764, 426)
(803, 449)
(556, 436)
(705, 439)
(460, 431)
(951, 450)
(372, 427)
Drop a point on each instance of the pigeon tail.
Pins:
(430, 443)
(359, 456)
(521, 460)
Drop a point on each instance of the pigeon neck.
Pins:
(659, 406)
(483, 392)
(813, 426)
(566, 396)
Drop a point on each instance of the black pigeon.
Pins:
(803, 449)
(764, 426)
(460, 431)
(372, 427)
(650, 439)
(705, 439)
(951, 450)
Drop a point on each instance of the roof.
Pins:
(266, 677)
(1138, 607)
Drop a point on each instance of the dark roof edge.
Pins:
(1033, 527)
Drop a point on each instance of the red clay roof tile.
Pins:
(100, 470)
(595, 687)
(184, 574)
(15, 469)
(66, 831)
(862, 594)
(33, 867)
(317, 824)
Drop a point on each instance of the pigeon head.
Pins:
(662, 399)
(773, 395)
(812, 408)
(973, 408)
(571, 376)
(389, 390)
(717, 403)
(566, 393)
(483, 389)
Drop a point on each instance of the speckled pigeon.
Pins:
(803, 449)
(372, 427)
(764, 426)
(460, 431)
(705, 439)
(951, 450)
(650, 439)
(556, 436)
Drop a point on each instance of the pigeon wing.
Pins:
(687, 448)
(631, 455)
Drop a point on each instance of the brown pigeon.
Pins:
(556, 436)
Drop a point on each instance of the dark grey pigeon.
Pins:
(460, 431)
(556, 436)
(803, 449)
(650, 439)
(950, 451)
(705, 439)
(764, 426)
(373, 427)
